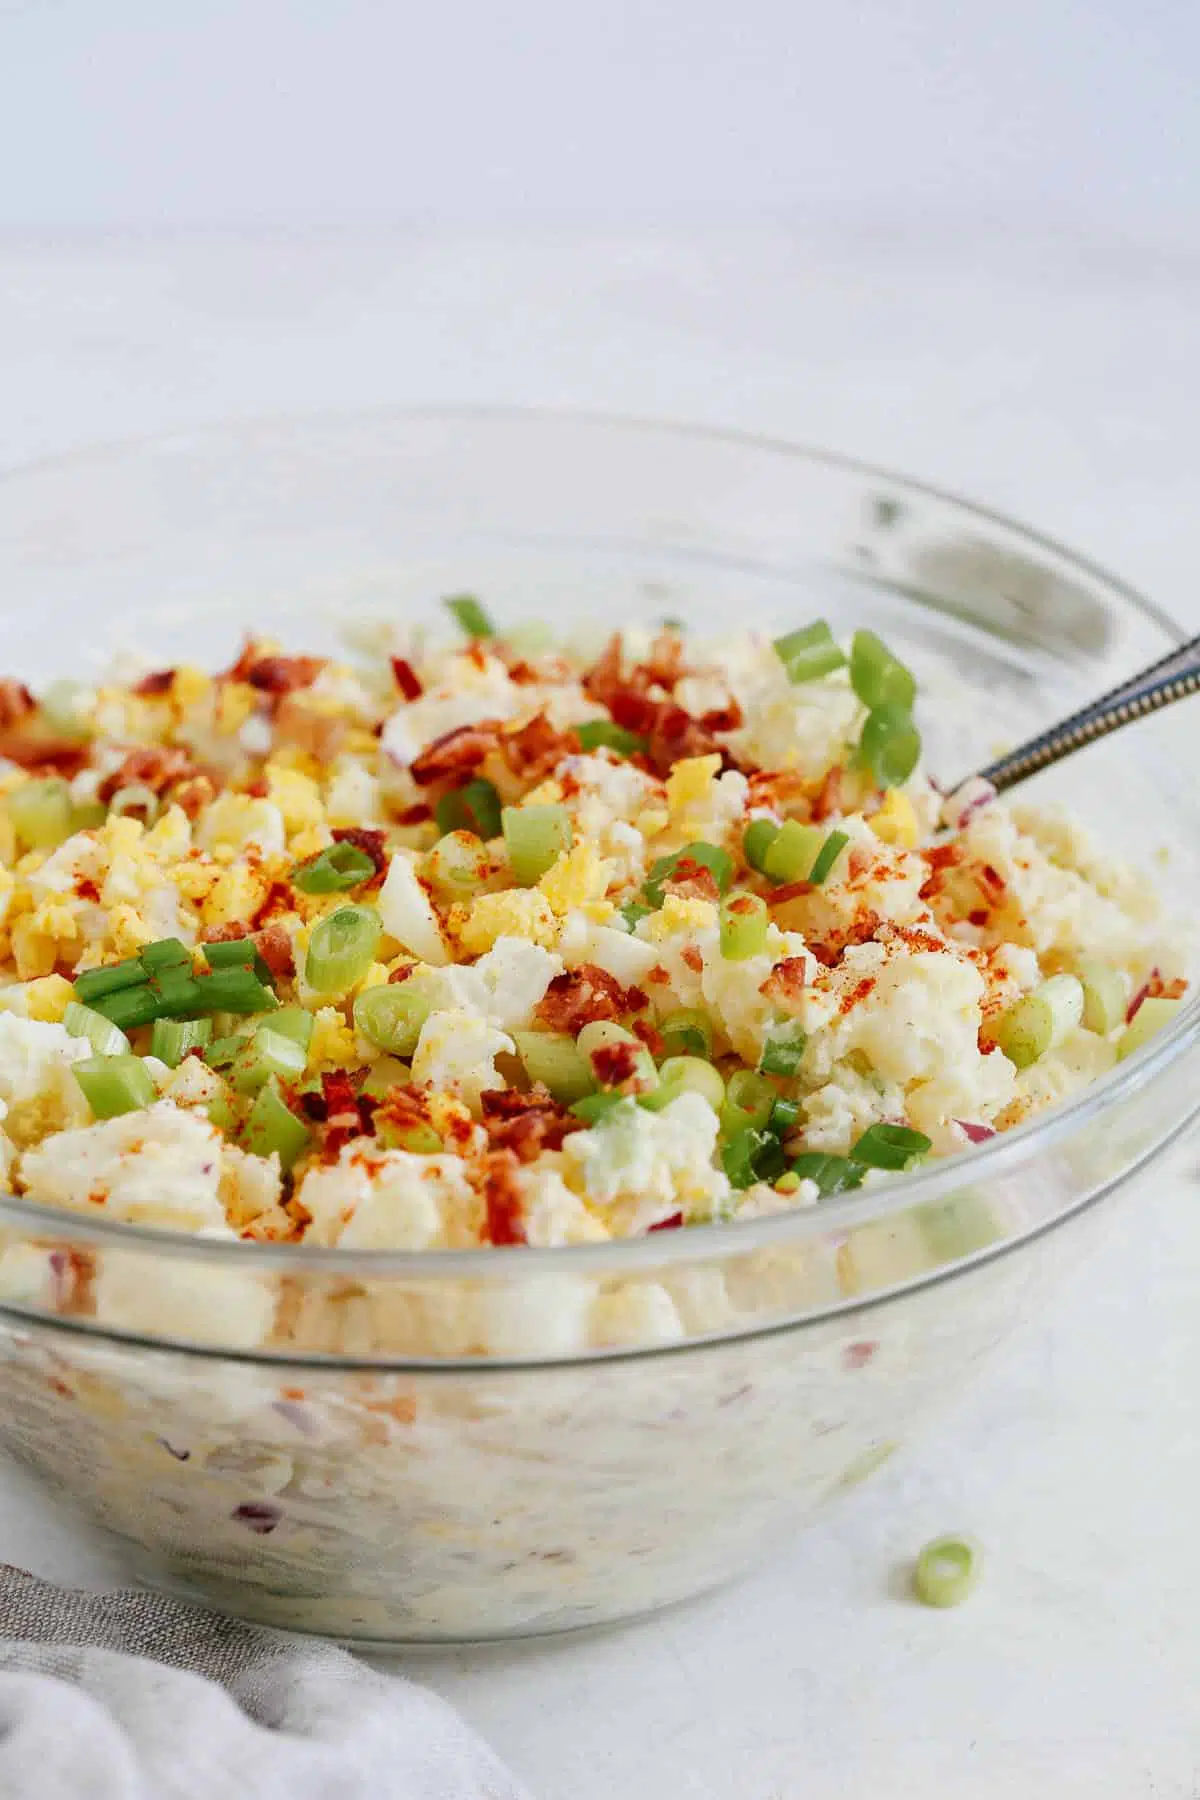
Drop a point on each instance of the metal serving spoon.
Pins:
(1172, 678)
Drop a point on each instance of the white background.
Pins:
(965, 240)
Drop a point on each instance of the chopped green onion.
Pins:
(877, 677)
(557, 1062)
(603, 734)
(718, 862)
(686, 1075)
(475, 807)
(946, 1571)
(417, 1136)
(391, 1015)
(832, 1174)
(889, 1146)
(294, 1022)
(265, 1054)
(602, 1035)
(128, 1007)
(458, 864)
(890, 745)
(1039, 1022)
(1105, 996)
(633, 911)
(165, 953)
(66, 708)
(748, 1101)
(783, 1117)
(238, 953)
(793, 851)
(176, 991)
(87, 815)
(105, 1038)
(92, 984)
(223, 1050)
(757, 839)
(42, 813)
(114, 1084)
(342, 949)
(741, 1152)
(827, 855)
(771, 1162)
(782, 1055)
(595, 1107)
(809, 653)
(744, 920)
(333, 870)
(136, 800)
(536, 836)
(273, 1128)
(223, 1113)
(235, 990)
(471, 616)
(787, 1183)
(687, 1032)
(384, 1075)
(1150, 1017)
(171, 1039)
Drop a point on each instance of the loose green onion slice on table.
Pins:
(265, 1054)
(273, 1128)
(471, 616)
(878, 677)
(946, 1571)
(748, 1101)
(809, 653)
(536, 837)
(333, 870)
(832, 1174)
(757, 839)
(475, 807)
(556, 1061)
(687, 1032)
(718, 862)
(139, 801)
(392, 1014)
(783, 1054)
(890, 745)
(114, 1084)
(604, 734)
(1150, 1017)
(889, 1146)
(1039, 1022)
(105, 1038)
(172, 1039)
(66, 708)
(792, 851)
(42, 813)
(827, 855)
(744, 920)
(1105, 996)
(342, 949)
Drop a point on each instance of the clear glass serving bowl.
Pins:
(424, 1491)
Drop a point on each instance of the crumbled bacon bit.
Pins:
(502, 1198)
(580, 996)
(526, 1124)
(420, 814)
(160, 681)
(272, 674)
(692, 880)
(345, 1117)
(455, 753)
(275, 947)
(370, 841)
(672, 1222)
(723, 718)
(828, 950)
(828, 797)
(39, 754)
(660, 977)
(689, 956)
(787, 980)
(403, 1107)
(402, 973)
(855, 995)
(16, 703)
(87, 889)
(406, 678)
(536, 748)
(156, 766)
(791, 890)
(641, 702)
(651, 1037)
(280, 897)
(615, 1064)
(1158, 988)
(979, 916)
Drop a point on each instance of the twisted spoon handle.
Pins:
(1172, 678)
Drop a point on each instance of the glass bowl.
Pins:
(420, 1490)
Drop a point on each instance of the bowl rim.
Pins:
(930, 1183)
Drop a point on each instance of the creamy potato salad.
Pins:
(501, 942)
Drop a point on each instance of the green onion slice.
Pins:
(687, 1032)
(757, 839)
(890, 745)
(333, 870)
(66, 708)
(471, 616)
(686, 1075)
(557, 1062)
(741, 1154)
(1105, 996)
(535, 836)
(594, 1108)
(604, 734)
(165, 953)
(832, 1174)
(114, 1084)
(342, 949)
(633, 911)
(783, 1055)
(294, 1022)
(809, 653)
(878, 677)
(138, 801)
(128, 1007)
(718, 862)
(265, 1054)
(273, 1128)
(42, 813)
(235, 990)
(92, 984)
(827, 855)
(1150, 1017)
(475, 807)
(391, 1015)
(238, 953)
(172, 1039)
(105, 1038)
(889, 1146)
(748, 1101)
(946, 1571)
(1040, 1022)
(792, 851)
(744, 921)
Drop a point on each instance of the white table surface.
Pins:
(1058, 380)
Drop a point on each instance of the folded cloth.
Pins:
(132, 1696)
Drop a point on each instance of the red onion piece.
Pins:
(975, 1134)
(958, 807)
(1143, 993)
(671, 1223)
(261, 1516)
